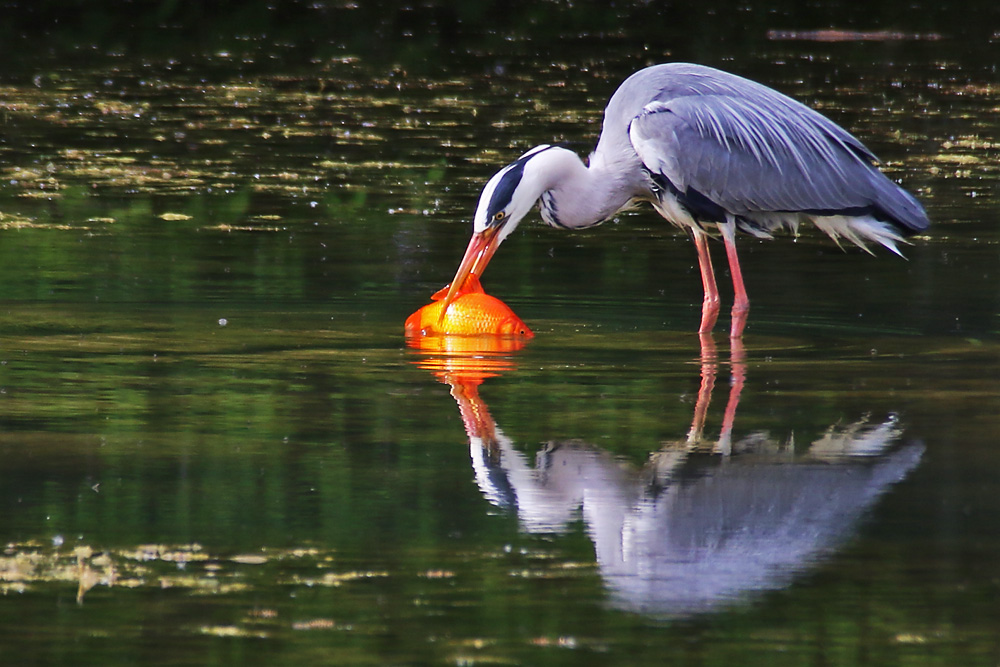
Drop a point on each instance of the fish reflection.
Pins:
(703, 523)
(463, 362)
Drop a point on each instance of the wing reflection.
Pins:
(702, 523)
(712, 531)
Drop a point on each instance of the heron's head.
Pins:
(504, 202)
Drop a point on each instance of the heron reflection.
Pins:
(703, 522)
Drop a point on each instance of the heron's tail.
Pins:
(895, 205)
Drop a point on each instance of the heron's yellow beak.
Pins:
(481, 248)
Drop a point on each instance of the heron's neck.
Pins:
(573, 195)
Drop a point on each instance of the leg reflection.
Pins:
(737, 377)
(709, 369)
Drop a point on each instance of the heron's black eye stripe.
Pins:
(504, 191)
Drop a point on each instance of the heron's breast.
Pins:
(670, 207)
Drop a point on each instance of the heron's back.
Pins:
(806, 163)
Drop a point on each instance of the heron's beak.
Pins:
(479, 253)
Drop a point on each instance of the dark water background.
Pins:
(216, 447)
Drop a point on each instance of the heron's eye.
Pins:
(498, 216)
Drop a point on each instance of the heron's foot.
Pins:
(709, 314)
(741, 309)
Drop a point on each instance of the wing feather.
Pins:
(754, 151)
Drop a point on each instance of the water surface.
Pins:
(217, 447)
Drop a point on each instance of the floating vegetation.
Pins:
(14, 221)
(185, 136)
(120, 108)
(315, 624)
(231, 631)
(223, 227)
(186, 566)
(437, 574)
(22, 566)
(17, 221)
(842, 35)
(335, 579)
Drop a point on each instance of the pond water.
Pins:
(217, 447)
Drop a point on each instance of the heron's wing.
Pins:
(764, 153)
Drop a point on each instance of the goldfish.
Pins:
(472, 312)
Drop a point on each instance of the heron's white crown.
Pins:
(506, 193)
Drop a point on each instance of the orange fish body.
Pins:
(473, 312)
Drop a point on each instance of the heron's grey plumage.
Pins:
(749, 149)
(707, 149)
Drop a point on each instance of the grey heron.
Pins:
(713, 153)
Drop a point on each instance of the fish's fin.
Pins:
(471, 286)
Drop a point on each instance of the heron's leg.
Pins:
(741, 303)
(710, 305)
